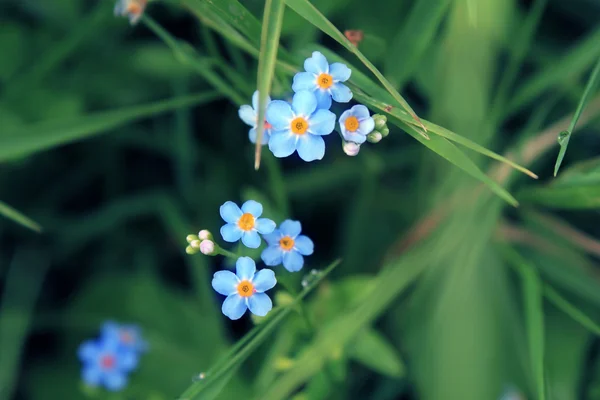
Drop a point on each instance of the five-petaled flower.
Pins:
(106, 363)
(128, 336)
(249, 114)
(244, 223)
(356, 123)
(245, 289)
(324, 80)
(299, 126)
(130, 8)
(288, 246)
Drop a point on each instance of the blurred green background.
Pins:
(119, 141)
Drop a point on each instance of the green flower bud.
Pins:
(191, 250)
(380, 121)
(374, 137)
(384, 131)
(191, 238)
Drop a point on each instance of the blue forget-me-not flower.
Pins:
(324, 80)
(128, 336)
(130, 8)
(249, 114)
(299, 126)
(288, 246)
(106, 363)
(245, 289)
(356, 123)
(244, 223)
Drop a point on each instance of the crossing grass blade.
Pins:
(10, 213)
(565, 136)
(563, 304)
(314, 16)
(269, 43)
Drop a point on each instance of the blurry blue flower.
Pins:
(249, 115)
(299, 126)
(244, 223)
(356, 123)
(288, 246)
(130, 8)
(127, 336)
(106, 363)
(324, 80)
(245, 289)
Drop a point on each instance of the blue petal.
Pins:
(316, 64)
(272, 255)
(282, 144)
(265, 226)
(89, 350)
(279, 114)
(234, 307)
(304, 103)
(273, 237)
(322, 122)
(231, 233)
(265, 139)
(225, 282)
(91, 375)
(366, 126)
(361, 112)
(353, 136)
(304, 245)
(345, 116)
(341, 93)
(259, 304)
(264, 280)
(230, 212)
(293, 261)
(255, 100)
(128, 360)
(290, 228)
(311, 147)
(340, 72)
(248, 115)
(253, 207)
(115, 381)
(323, 99)
(304, 81)
(251, 239)
(245, 268)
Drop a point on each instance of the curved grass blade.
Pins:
(10, 213)
(269, 42)
(563, 304)
(564, 138)
(314, 16)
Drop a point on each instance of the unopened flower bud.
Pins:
(385, 131)
(351, 148)
(191, 238)
(195, 244)
(207, 247)
(204, 234)
(374, 137)
(191, 250)
(380, 121)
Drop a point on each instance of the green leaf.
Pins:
(563, 304)
(46, 135)
(10, 213)
(314, 16)
(564, 139)
(374, 351)
(269, 43)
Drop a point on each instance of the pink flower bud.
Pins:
(207, 247)
(204, 234)
(351, 148)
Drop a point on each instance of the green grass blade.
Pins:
(314, 16)
(46, 135)
(563, 304)
(564, 139)
(10, 213)
(269, 43)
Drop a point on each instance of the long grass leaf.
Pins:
(563, 304)
(10, 213)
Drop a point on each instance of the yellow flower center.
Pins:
(245, 288)
(286, 243)
(246, 222)
(324, 81)
(351, 123)
(299, 126)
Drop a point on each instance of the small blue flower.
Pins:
(105, 363)
(130, 8)
(245, 289)
(356, 123)
(324, 80)
(249, 114)
(126, 336)
(288, 246)
(244, 223)
(299, 126)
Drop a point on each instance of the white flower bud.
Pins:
(204, 234)
(207, 247)
(195, 244)
(351, 148)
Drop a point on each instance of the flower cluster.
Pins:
(133, 9)
(108, 359)
(299, 126)
(245, 289)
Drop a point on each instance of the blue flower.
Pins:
(105, 363)
(244, 223)
(324, 80)
(130, 8)
(299, 126)
(288, 246)
(249, 115)
(126, 336)
(245, 289)
(356, 123)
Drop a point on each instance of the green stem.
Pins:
(226, 253)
